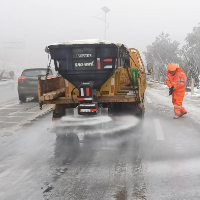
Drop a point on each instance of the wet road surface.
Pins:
(13, 113)
(159, 160)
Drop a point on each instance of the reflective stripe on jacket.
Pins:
(179, 80)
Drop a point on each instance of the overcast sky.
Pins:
(135, 23)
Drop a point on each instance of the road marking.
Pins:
(24, 112)
(159, 131)
(9, 122)
(149, 100)
(27, 112)
(9, 108)
(28, 119)
(9, 116)
(10, 102)
(6, 106)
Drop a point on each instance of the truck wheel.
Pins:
(22, 98)
(140, 112)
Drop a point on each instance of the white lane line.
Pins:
(7, 106)
(9, 116)
(27, 112)
(148, 99)
(10, 102)
(10, 108)
(19, 125)
(9, 122)
(159, 131)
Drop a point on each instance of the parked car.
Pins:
(28, 82)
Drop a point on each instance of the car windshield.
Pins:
(34, 72)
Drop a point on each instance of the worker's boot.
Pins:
(183, 113)
(176, 116)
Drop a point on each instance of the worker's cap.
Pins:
(172, 67)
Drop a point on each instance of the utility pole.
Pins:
(106, 10)
(105, 26)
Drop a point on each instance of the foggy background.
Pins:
(27, 26)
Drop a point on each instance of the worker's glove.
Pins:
(171, 90)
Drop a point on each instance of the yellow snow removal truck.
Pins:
(94, 78)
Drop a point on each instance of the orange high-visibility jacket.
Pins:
(179, 80)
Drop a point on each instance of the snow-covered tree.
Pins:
(161, 52)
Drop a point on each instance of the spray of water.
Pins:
(92, 125)
(118, 124)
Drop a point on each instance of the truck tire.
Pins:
(22, 98)
(140, 112)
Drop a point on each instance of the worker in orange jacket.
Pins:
(176, 81)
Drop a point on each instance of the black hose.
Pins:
(134, 89)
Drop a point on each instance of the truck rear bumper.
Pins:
(65, 100)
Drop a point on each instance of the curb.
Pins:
(27, 121)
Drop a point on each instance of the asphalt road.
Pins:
(156, 160)
(14, 114)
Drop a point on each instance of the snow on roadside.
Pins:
(196, 93)
(160, 86)
(156, 85)
(161, 95)
(7, 81)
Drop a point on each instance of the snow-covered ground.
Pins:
(7, 81)
(196, 93)
(160, 85)
(159, 94)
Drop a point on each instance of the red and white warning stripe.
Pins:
(84, 99)
(88, 110)
(112, 85)
(98, 63)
